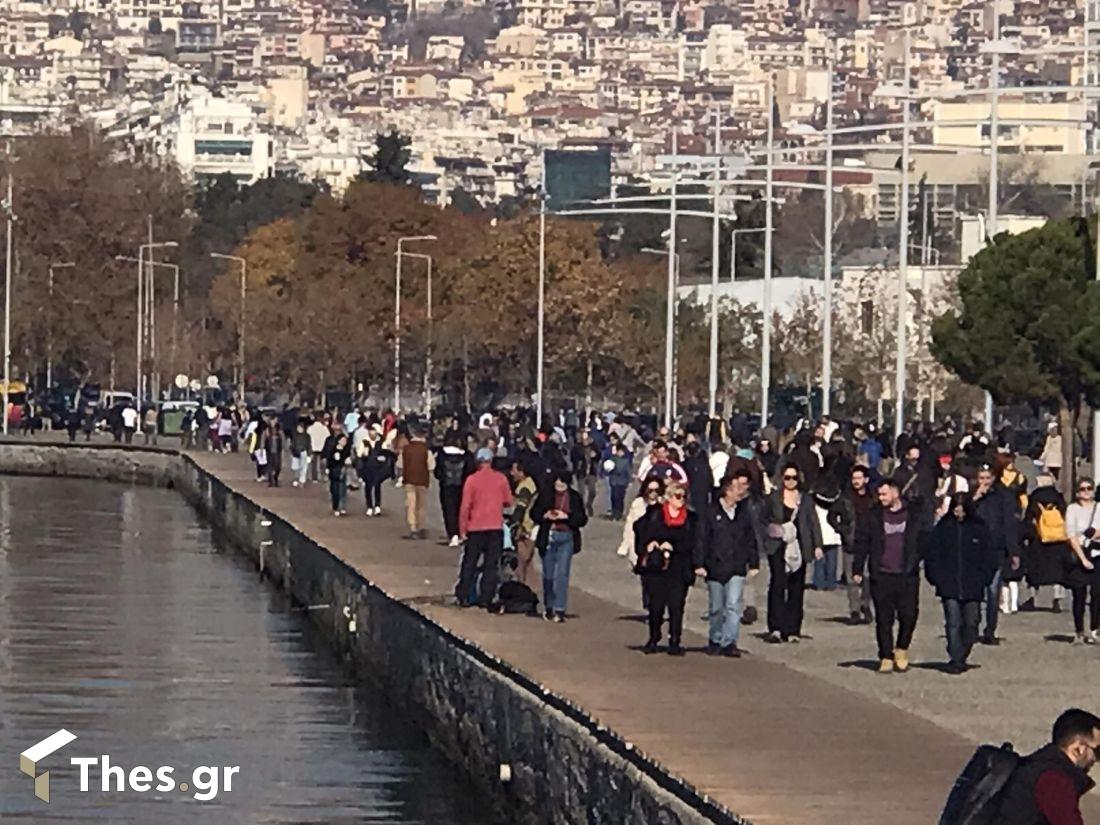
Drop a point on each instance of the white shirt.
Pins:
(829, 536)
(317, 433)
(130, 418)
(1078, 519)
(719, 460)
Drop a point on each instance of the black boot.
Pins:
(675, 648)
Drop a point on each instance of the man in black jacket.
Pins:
(994, 507)
(888, 541)
(1047, 787)
(728, 550)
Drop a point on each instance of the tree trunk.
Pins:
(809, 396)
(1067, 423)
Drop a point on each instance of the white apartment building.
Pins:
(217, 135)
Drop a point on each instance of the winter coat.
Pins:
(1019, 805)
(959, 559)
(651, 527)
(870, 541)
(728, 547)
(997, 511)
(1045, 563)
(700, 481)
(806, 525)
(578, 518)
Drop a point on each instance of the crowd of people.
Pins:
(822, 506)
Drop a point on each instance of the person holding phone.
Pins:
(560, 514)
(1082, 579)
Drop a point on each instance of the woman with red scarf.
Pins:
(664, 539)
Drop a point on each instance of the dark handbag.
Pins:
(655, 559)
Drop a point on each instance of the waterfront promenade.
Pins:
(772, 742)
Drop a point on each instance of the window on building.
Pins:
(867, 317)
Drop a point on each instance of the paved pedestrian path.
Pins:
(773, 744)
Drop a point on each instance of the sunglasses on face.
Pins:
(677, 496)
(1085, 488)
(790, 478)
(653, 491)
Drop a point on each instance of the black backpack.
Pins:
(454, 470)
(516, 597)
(975, 799)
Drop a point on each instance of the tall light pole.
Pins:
(428, 348)
(240, 322)
(766, 303)
(994, 140)
(827, 260)
(397, 316)
(670, 330)
(670, 311)
(715, 241)
(903, 249)
(142, 301)
(9, 210)
(175, 291)
(540, 334)
(49, 328)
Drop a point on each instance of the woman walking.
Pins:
(375, 466)
(1082, 578)
(795, 535)
(337, 456)
(560, 514)
(452, 465)
(1048, 542)
(959, 562)
(664, 541)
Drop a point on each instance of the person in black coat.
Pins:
(700, 477)
(960, 561)
(1045, 560)
(664, 541)
(728, 551)
(794, 541)
(887, 541)
(560, 514)
(995, 508)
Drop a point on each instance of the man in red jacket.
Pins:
(485, 494)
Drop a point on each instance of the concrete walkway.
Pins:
(773, 743)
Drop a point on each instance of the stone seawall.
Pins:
(537, 757)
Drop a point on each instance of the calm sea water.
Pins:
(123, 621)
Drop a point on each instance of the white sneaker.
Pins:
(378, 511)
(454, 541)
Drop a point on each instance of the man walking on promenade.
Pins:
(727, 552)
(485, 495)
(995, 507)
(1047, 787)
(857, 503)
(888, 541)
(416, 471)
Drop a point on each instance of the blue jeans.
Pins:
(618, 497)
(724, 611)
(992, 599)
(825, 569)
(556, 562)
(961, 620)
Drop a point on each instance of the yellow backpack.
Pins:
(1050, 526)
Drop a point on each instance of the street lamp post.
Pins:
(766, 302)
(712, 379)
(9, 210)
(49, 328)
(240, 323)
(827, 261)
(397, 316)
(428, 348)
(142, 300)
(175, 292)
